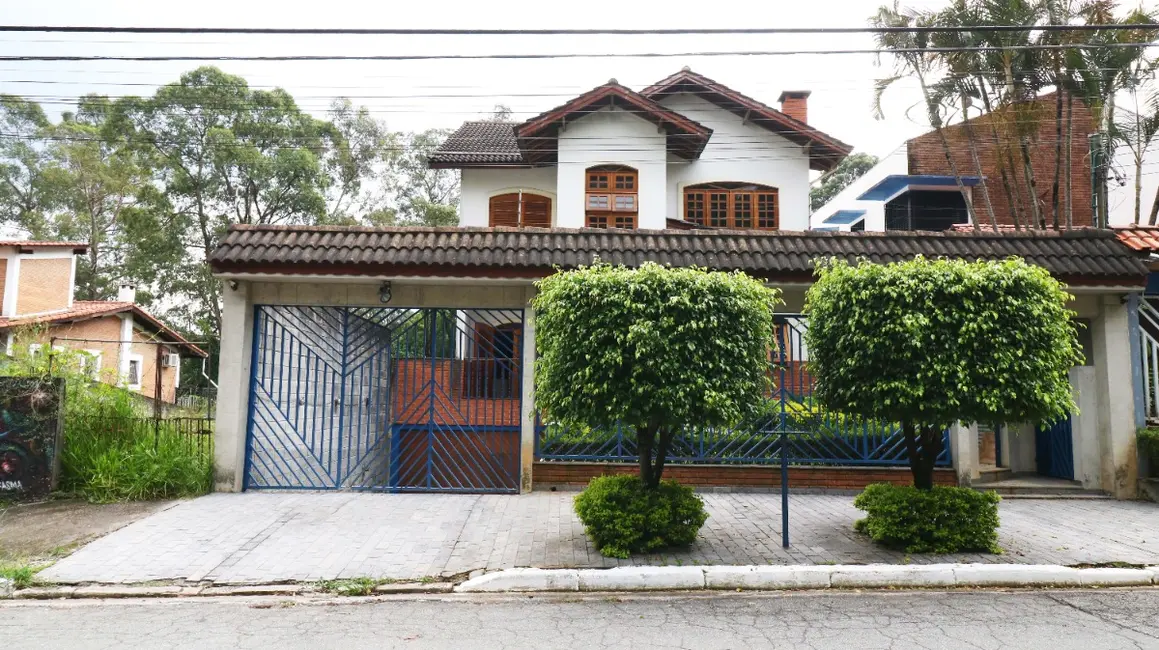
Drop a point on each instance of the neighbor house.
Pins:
(400, 359)
(913, 188)
(115, 341)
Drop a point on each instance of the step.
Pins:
(1039, 488)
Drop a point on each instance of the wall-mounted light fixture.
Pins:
(384, 292)
(233, 285)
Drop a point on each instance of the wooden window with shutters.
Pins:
(520, 210)
(611, 199)
(743, 206)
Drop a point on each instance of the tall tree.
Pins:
(223, 154)
(424, 196)
(924, 66)
(26, 194)
(360, 155)
(831, 184)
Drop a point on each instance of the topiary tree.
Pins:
(653, 348)
(928, 343)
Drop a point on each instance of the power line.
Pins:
(576, 55)
(398, 31)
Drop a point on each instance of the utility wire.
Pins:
(578, 55)
(346, 31)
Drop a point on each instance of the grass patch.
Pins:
(22, 574)
(351, 586)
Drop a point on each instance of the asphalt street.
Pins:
(1054, 620)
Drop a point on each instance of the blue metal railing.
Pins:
(812, 435)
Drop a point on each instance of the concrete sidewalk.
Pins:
(271, 537)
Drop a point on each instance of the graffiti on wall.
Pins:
(30, 419)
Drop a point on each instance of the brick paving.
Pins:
(280, 536)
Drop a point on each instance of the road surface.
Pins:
(1058, 620)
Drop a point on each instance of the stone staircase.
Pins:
(1009, 485)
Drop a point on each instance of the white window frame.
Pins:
(140, 371)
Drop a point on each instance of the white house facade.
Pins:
(684, 152)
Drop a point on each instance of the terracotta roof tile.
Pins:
(1140, 238)
(86, 309)
(480, 143)
(1081, 256)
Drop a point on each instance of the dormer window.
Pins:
(743, 206)
(611, 199)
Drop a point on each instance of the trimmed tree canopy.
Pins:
(929, 343)
(654, 348)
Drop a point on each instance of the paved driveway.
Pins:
(277, 536)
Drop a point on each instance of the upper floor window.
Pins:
(611, 199)
(520, 210)
(732, 205)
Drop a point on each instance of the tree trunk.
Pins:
(661, 456)
(1057, 148)
(1069, 204)
(644, 439)
(1015, 215)
(1031, 189)
(1154, 209)
(922, 449)
(978, 168)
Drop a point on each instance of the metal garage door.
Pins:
(385, 398)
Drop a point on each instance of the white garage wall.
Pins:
(743, 153)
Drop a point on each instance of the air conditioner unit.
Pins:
(172, 360)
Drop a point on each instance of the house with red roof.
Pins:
(116, 341)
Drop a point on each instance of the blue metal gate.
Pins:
(385, 398)
(1054, 450)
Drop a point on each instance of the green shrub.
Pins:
(622, 517)
(939, 520)
(1148, 440)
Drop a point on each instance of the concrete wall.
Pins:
(742, 153)
(612, 137)
(479, 185)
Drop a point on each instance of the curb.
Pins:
(6, 588)
(175, 591)
(775, 578)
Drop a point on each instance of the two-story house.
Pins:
(116, 341)
(686, 151)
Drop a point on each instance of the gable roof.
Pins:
(1086, 257)
(825, 151)
(538, 136)
(482, 144)
(89, 309)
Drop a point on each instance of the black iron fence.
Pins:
(195, 433)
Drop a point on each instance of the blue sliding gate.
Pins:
(792, 418)
(385, 398)
(1054, 450)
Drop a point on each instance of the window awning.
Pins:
(891, 186)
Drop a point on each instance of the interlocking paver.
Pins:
(272, 536)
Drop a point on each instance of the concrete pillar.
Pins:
(1085, 428)
(1116, 400)
(527, 417)
(964, 452)
(233, 380)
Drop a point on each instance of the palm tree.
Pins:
(924, 66)
(1109, 64)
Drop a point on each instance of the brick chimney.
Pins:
(795, 104)
(127, 292)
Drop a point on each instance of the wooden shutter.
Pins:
(505, 210)
(536, 211)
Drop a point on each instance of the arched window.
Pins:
(520, 210)
(611, 200)
(732, 205)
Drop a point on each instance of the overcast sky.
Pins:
(407, 93)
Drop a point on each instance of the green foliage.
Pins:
(939, 520)
(21, 574)
(1148, 442)
(111, 452)
(623, 516)
(350, 586)
(850, 169)
(654, 348)
(928, 343)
